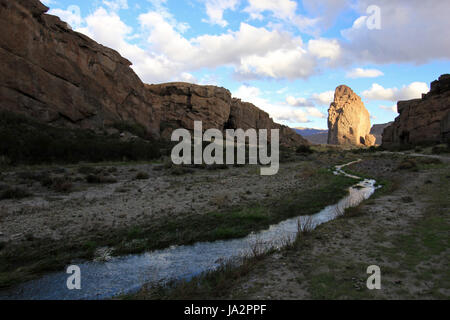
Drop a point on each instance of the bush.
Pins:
(133, 128)
(25, 141)
(407, 164)
(440, 149)
(142, 176)
(14, 193)
(304, 150)
(63, 185)
(97, 179)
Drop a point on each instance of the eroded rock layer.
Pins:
(349, 120)
(62, 77)
(425, 120)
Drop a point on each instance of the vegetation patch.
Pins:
(26, 141)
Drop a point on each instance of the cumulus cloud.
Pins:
(284, 10)
(297, 102)
(216, 8)
(325, 48)
(364, 73)
(326, 11)
(116, 4)
(391, 108)
(324, 98)
(411, 31)
(280, 112)
(411, 91)
(71, 15)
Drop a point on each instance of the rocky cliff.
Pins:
(377, 131)
(349, 120)
(423, 120)
(64, 78)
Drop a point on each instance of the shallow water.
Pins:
(127, 274)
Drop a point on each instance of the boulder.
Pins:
(349, 120)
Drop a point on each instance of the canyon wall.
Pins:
(349, 120)
(64, 78)
(425, 120)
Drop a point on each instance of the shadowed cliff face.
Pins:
(59, 76)
(349, 120)
(425, 120)
(62, 77)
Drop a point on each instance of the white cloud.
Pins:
(411, 31)
(71, 15)
(116, 4)
(324, 98)
(325, 48)
(391, 108)
(48, 2)
(280, 112)
(216, 8)
(297, 102)
(316, 113)
(284, 10)
(364, 73)
(411, 91)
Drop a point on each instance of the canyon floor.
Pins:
(61, 214)
(404, 229)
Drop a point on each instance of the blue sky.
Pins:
(285, 56)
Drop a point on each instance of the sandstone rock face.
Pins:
(423, 120)
(377, 131)
(59, 76)
(349, 120)
(64, 78)
(183, 103)
(245, 115)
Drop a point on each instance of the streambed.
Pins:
(127, 274)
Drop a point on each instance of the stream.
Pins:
(127, 274)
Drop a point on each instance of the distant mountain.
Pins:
(309, 131)
(320, 136)
(377, 131)
(316, 136)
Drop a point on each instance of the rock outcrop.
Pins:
(64, 78)
(349, 120)
(377, 131)
(422, 121)
(183, 103)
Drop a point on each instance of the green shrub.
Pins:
(142, 176)
(133, 128)
(407, 164)
(26, 141)
(14, 193)
(304, 150)
(98, 179)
